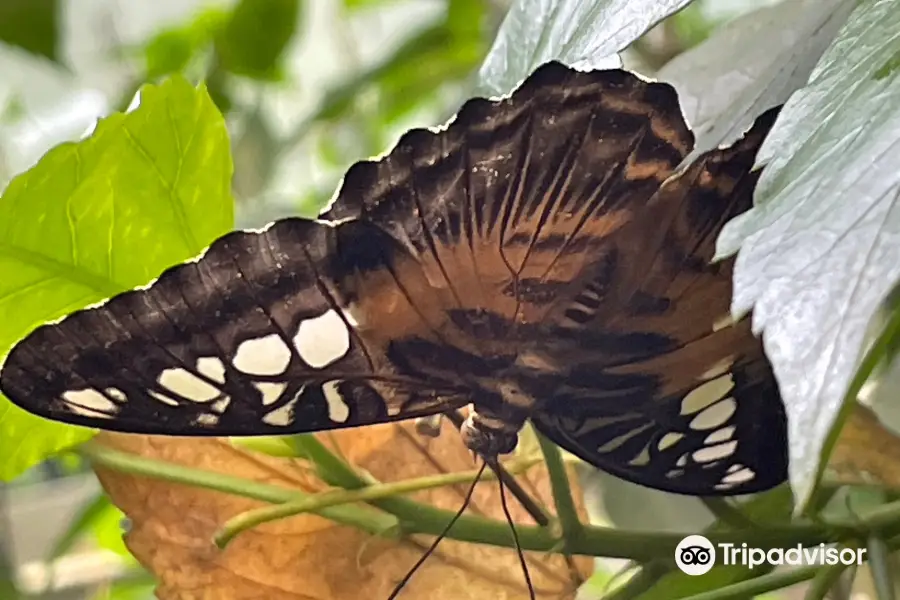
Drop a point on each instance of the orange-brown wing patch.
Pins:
(500, 212)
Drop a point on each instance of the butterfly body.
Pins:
(538, 259)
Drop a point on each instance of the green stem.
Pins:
(759, 585)
(365, 518)
(566, 511)
(824, 580)
(727, 514)
(426, 519)
(337, 472)
(879, 558)
(316, 503)
(331, 468)
(648, 575)
(414, 517)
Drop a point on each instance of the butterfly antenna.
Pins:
(399, 587)
(515, 534)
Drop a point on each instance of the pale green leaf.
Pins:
(582, 34)
(146, 190)
(821, 248)
(751, 64)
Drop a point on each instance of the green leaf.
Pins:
(108, 532)
(32, 25)
(751, 64)
(98, 517)
(146, 190)
(255, 37)
(692, 25)
(173, 50)
(819, 251)
(631, 506)
(584, 35)
(169, 52)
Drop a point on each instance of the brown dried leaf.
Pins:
(308, 557)
(866, 452)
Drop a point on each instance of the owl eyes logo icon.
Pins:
(695, 555)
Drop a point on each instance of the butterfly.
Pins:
(539, 258)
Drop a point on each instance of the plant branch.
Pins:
(414, 517)
(751, 588)
(317, 502)
(566, 511)
(363, 517)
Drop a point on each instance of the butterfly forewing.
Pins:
(255, 337)
(663, 389)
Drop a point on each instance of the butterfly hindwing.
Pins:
(663, 389)
(254, 337)
(722, 432)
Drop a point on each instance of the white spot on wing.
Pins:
(163, 398)
(187, 385)
(669, 440)
(270, 391)
(220, 405)
(207, 420)
(90, 403)
(621, 439)
(715, 416)
(212, 367)
(717, 369)
(643, 458)
(267, 355)
(116, 394)
(721, 435)
(712, 453)
(742, 476)
(723, 322)
(705, 394)
(322, 340)
(338, 411)
(283, 415)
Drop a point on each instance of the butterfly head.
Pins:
(488, 435)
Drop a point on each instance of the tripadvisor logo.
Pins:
(822, 554)
(696, 555)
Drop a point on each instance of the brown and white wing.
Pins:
(661, 388)
(255, 337)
